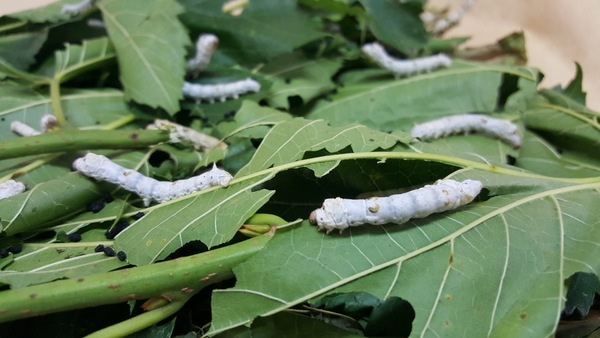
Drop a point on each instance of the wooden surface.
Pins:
(557, 33)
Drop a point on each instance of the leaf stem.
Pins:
(74, 139)
(56, 104)
(186, 274)
(142, 321)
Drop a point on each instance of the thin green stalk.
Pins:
(143, 320)
(186, 274)
(56, 104)
(74, 139)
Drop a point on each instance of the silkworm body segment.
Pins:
(504, 130)
(102, 168)
(205, 47)
(339, 213)
(221, 92)
(179, 133)
(11, 188)
(377, 53)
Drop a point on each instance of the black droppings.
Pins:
(3, 253)
(138, 216)
(511, 160)
(74, 237)
(15, 249)
(110, 252)
(122, 256)
(99, 248)
(287, 80)
(114, 231)
(95, 206)
(108, 198)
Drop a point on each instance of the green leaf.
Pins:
(583, 287)
(288, 141)
(539, 156)
(77, 59)
(396, 24)
(210, 216)
(389, 104)
(393, 317)
(574, 89)
(481, 245)
(48, 13)
(296, 75)
(40, 204)
(15, 73)
(150, 44)
(20, 49)
(265, 29)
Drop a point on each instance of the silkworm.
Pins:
(205, 47)
(453, 18)
(47, 123)
(77, 8)
(102, 168)
(504, 130)
(11, 188)
(23, 129)
(377, 53)
(339, 213)
(221, 92)
(180, 133)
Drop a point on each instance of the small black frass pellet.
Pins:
(110, 252)
(99, 248)
(122, 256)
(108, 198)
(74, 237)
(3, 253)
(287, 80)
(15, 249)
(95, 206)
(138, 216)
(114, 231)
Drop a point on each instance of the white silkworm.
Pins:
(220, 91)
(11, 188)
(377, 53)
(47, 123)
(102, 168)
(339, 213)
(77, 8)
(504, 130)
(179, 133)
(453, 18)
(23, 129)
(205, 47)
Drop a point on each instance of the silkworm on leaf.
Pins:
(453, 18)
(102, 168)
(180, 133)
(377, 53)
(11, 188)
(220, 92)
(504, 130)
(47, 123)
(77, 8)
(339, 213)
(205, 47)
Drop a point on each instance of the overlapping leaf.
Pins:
(390, 104)
(150, 44)
(20, 49)
(289, 141)
(264, 30)
(434, 262)
(296, 75)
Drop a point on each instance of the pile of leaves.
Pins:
(326, 122)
